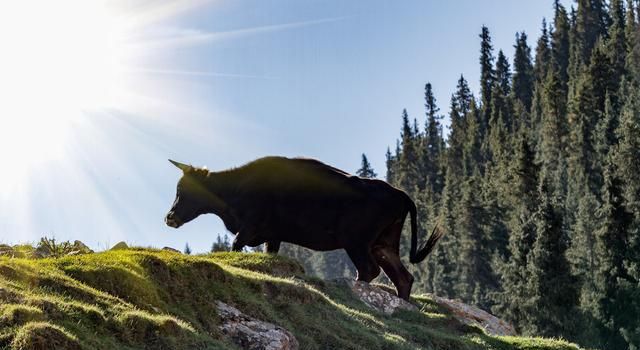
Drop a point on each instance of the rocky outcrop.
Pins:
(80, 248)
(173, 250)
(120, 246)
(471, 315)
(251, 333)
(378, 298)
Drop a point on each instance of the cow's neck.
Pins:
(216, 184)
(220, 185)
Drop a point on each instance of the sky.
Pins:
(99, 97)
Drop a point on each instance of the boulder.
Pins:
(252, 334)
(42, 251)
(80, 248)
(471, 315)
(378, 298)
(120, 246)
(169, 249)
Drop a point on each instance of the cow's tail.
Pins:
(417, 255)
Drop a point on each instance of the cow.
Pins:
(306, 202)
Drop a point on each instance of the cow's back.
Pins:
(307, 202)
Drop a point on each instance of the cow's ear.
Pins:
(181, 166)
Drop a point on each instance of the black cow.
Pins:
(308, 203)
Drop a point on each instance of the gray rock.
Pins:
(253, 334)
(43, 251)
(378, 298)
(169, 249)
(120, 246)
(81, 248)
(471, 315)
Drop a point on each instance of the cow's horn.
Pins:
(180, 166)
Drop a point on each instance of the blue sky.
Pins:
(219, 83)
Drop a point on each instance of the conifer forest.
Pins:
(536, 182)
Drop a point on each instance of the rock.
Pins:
(471, 315)
(43, 251)
(253, 334)
(169, 249)
(81, 248)
(120, 246)
(378, 298)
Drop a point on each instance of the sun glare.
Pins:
(59, 60)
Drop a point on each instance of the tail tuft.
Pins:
(422, 253)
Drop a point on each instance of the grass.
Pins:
(150, 299)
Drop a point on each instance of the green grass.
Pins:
(149, 299)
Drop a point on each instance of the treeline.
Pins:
(537, 183)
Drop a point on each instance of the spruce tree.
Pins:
(390, 163)
(432, 145)
(487, 76)
(513, 297)
(617, 46)
(612, 237)
(408, 160)
(365, 168)
(626, 157)
(543, 55)
(553, 293)
(523, 72)
(541, 67)
(553, 129)
(473, 269)
(560, 47)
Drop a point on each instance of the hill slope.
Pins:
(146, 299)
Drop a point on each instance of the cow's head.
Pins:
(192, 196)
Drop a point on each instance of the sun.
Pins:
(59, 61)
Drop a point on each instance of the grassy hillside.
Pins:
(145, 299)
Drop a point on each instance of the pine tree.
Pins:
(487, 76)
(187, 249)
(390, 163)
(432, 145)
(553, 129)
(221, 244)
(512, 299)
(560, 48)
(543, 55)
(612, 238)
(554, 297)
(474, 264)
(625, 157)
(471, 153)
(589, 27)
(365, 168)
(617, 46)
(523, 72)
(541, 67)
(503, 73)
(408, 160)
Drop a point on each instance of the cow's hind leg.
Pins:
(272, 247)
(386, 251)
(365, 263)
(390, 262)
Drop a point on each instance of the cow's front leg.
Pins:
(238, 243)
(244, 237)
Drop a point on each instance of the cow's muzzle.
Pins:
(172, 220)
